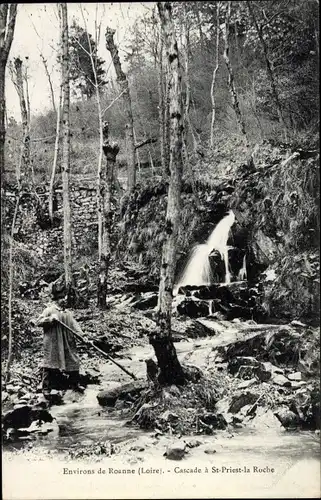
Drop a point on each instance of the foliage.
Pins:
(83, 48)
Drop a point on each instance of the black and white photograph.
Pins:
(160, 258)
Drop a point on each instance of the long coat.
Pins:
(59, 345)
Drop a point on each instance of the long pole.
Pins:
(88, 342)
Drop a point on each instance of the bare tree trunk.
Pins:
(187, 162)
(167, 123)
(161, 106)
(170, 369)
(269, 69)
(100, 126)
(231, 84)
(65, 161)
(137, 153)
(18, 82)
(151, 162)
(129, 129)
(10, 265)
(55, 160)
(215, 72)
(8, 13)
(52, 94)
(199, 24)
(187, 80)
(107, 177)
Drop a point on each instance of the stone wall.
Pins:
(33, 229)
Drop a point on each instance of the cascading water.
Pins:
(198, 269)
(242, 275)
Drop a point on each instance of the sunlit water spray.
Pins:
(198, 269)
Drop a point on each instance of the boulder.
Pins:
(263, 375)
(235, 364)
(193, 308)
(17, 418)
(108, 397)
(247, 383)
(193, 443)
(55, 397)
(4, 396)
(89, 376)
(200, 292)
(297, 376)
(176, 450)
(269, 367)
(168, 416)
(214, 420)
(298, 323)
(23, 415)
(297, 385)
(280, 380)
(146, 301)
(264, 249)
(13, 389)
(288, 418)
(237, 403)
(210, 451)
(306, 404)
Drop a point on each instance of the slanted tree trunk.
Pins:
(129, 128)
(259, 30)
(231, 83)
(18, 82)
(170, 369)
(65, 160)
(106, 183)
(215, 73)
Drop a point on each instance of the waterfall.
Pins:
(242, 275)
(198, 269)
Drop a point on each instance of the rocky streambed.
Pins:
(252, 378)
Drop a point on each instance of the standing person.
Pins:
(59, 347)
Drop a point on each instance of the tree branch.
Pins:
(150, 140)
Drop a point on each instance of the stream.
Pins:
(294, 457)
(81, 421)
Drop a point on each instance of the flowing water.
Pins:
(242, 275)
(81, 422)
(198, 269)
